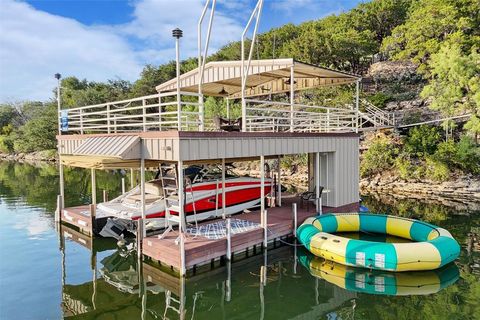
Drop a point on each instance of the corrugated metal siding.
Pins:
(123, 147)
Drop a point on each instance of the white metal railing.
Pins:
(154, 112)
(279, 116)
(376, 116)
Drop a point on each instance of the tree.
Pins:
(455, 83)
(429, 23)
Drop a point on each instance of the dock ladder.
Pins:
(171, 198)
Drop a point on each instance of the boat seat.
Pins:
(149, 198)
(154, 187)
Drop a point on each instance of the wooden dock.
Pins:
(201, 251)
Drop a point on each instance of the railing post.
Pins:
(81, 121)
(108, 118)
(123, 185)
(159, 113)
(115, 123)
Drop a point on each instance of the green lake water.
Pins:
(45, 276)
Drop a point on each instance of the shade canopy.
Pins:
(223, 78)
(103, 163)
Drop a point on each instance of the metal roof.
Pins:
(122, 147)
(223, 78)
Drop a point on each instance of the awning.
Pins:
(223, 78)
(99, 162)
(123, 147)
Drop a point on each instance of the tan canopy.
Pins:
(223, 78)
(102, 162)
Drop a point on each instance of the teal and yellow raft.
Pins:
(381, 282)
(433, 247)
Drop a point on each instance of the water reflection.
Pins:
(381, 282)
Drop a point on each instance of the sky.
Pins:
(108, 39)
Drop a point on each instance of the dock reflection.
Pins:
(260, 286)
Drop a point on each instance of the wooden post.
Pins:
(228, 295)
(105, 195)
(123, 185)
(140, 236)
(229, 239)
(279, 184)
(265, 230)
(142, 187)
(317, 181)
(182, 227)
(295, 217)
(93, 217)
(224, 196)
(58, 212)
(94, 187)
(132, 178)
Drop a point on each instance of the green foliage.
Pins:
(404, 167)
(6, 144)
(379, 157)
(379, 99)
(39, 133)
(428, 25)
(422, 140)
(455, 84)
(446, 152)
(436, 170)
(467, 155)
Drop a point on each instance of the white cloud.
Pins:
(34, 44)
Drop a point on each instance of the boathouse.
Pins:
(172, 127)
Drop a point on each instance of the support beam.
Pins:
(317, 182)
(292, 96)
(357, 104)
(142, 188)
(224, 196)
(123, 185)
(228, 108)
(181, 229)
(295, 219)
(131, 179)
(279, 183)
(262, 190)
(94, 187)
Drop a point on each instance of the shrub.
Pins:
(6, 144)
(405, 167)
(467, 155)
(379, 157)
(436, 170)
(380, 99)
(446, 152)
(422, 140)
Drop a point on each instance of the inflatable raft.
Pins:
(381, 282)
(432, 247)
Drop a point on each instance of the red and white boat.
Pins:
(203, 200)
